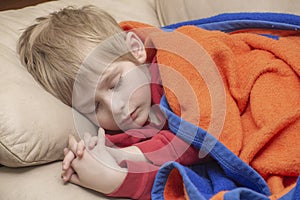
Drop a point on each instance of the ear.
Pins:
(136, 47)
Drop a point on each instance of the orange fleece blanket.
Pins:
(261, 87)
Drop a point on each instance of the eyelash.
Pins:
(97, 106)
(115, 87)
(118, 84)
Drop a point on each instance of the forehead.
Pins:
(94, 68)
(86, 83)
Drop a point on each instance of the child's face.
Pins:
(119, 97)
(122, 97)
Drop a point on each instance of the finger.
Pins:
(93, 142)
(86, 137)
(80, 148)
(72, 144)
(75, 179)
(101, 135)
(100, 139)
(88, 140)
(66, 175)
(101, 131)
(66, 150)
(67, 160)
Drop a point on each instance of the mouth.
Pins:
(133, 114)
(129, 119)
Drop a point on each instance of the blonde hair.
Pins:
(54, 48)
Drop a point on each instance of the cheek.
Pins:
(143, 93)
(107, 123)
(136, 84)
(146, 92)
(103, 119)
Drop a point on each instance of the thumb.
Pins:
(75, 179)
(101, 137)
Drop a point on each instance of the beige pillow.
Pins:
(181, 10)
(34, 125)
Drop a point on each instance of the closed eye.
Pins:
(118, 84)
(97, 106)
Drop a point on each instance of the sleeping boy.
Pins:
(245, 83)
(117, 87)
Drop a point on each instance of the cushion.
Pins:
(34, 125)
(180, 10)
(42, 182)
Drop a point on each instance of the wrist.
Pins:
(116, 178)
(131, 153)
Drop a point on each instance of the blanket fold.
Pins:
(242, 90)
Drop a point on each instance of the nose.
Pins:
(115, 104)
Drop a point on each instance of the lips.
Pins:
(129, 119)
(133, 114)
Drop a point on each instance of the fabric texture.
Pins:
(158, 144)
(181, 10)
(256, 152)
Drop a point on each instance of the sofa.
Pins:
(34, 125)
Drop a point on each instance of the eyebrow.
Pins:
(106, 77)
(86, 105)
